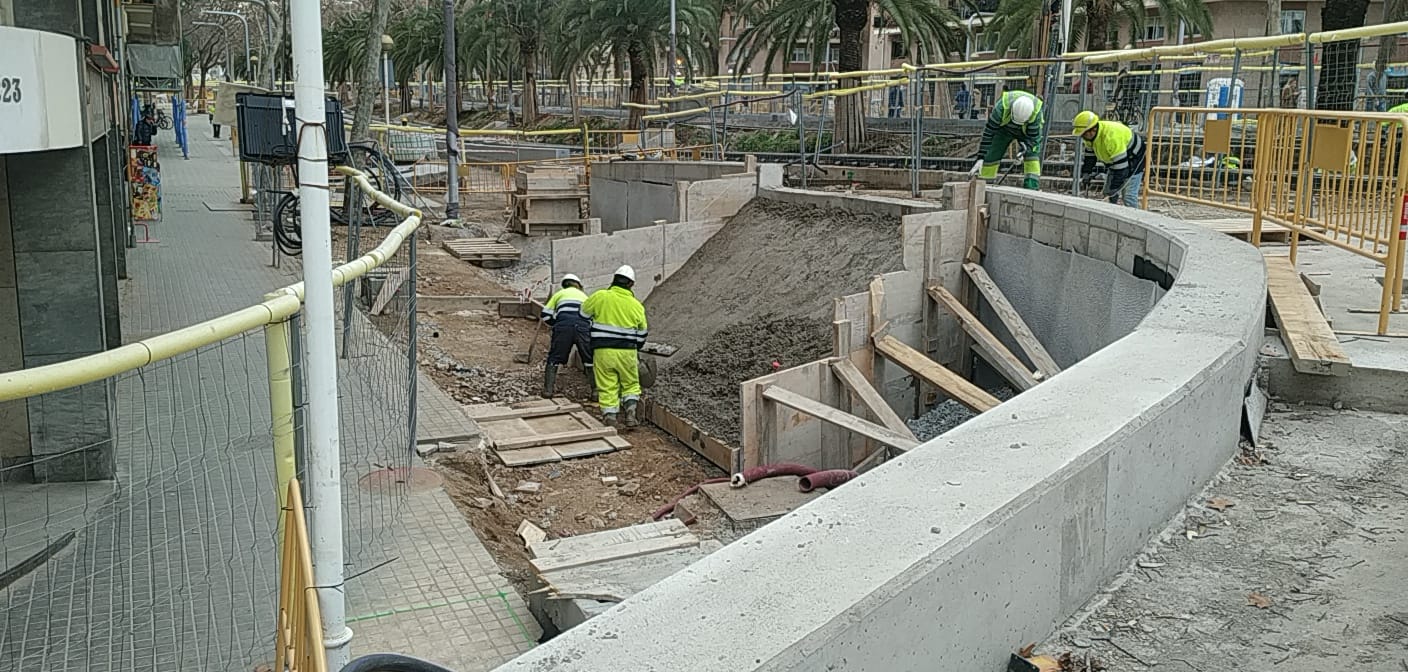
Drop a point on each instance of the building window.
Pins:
(897, 51)
(1292, 21)
(801, 54)
(1155, 30)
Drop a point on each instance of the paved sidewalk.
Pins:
(180, 572)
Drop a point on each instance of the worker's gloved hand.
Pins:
(977, 168)
(1030, 182)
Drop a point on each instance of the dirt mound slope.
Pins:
(761, 290)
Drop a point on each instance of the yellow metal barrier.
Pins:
(1340, 178)
(299, 644)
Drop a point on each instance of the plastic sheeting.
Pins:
(154, 61)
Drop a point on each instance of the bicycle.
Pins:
(1125, 112)
(163, 122)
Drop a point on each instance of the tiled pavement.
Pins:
(180, 572)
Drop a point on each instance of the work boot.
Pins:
(631, 420)
(1030, 182)
(549, 381)
(608, 419)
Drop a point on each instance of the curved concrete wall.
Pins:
(988, 536)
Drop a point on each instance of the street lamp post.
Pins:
(673, 58)
(248, 64)
(386, 44)
(269, 60)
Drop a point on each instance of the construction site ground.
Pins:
(1292, 560)
(470, 354)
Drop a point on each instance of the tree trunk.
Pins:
(618, 69)
(1394, 11)
(528, 55)
(635, 54)
(572, 97)
(852, 19)
(1339, 60)
(405, 97)
(367, 84)
(201, 95)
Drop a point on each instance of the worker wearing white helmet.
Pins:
(1016, 117)
(618, 333)
(564, 312)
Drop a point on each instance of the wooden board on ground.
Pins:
(1312, 345)
(1241, 227)
(759, 500)
(723, 456)
(616, 580)
(480, 250)
(542, 431)
(590, 549)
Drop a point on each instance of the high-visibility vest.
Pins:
(618, 319)
(566, 302)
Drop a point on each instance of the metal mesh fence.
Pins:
(139, 532)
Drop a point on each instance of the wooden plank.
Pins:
(585, 543)
(481, 414)
(847, 421)
(953, 385)
(393, 282)
(987, 344)
(1312, 345)
(1012, 319)
(524, 457)
(762, 500)
(721, 454)
(859, 386)
(614, 552)
(515, 443)
(617, 580)
(877, 306)
(583, 448)
(587, 420)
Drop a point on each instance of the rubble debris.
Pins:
(528, 486)
(948, 414)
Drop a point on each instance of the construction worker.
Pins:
(1017, 116)
(1120, 149)
(618, 332)
(564, 312)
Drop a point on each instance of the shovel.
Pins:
(524, 358)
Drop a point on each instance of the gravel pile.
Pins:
(947, 415)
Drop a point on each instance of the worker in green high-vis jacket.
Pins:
(1017, 117)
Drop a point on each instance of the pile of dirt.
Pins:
(760, 291)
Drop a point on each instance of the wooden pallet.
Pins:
(480, 250)
(543, 430)
(1241, 228)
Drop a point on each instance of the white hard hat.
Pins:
(1023, 108)
(627, 272)
(572, 277)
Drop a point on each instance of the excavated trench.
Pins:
(759, 296)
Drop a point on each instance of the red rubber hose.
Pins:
(825, 479)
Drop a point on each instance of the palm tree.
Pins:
(367, 75)
(1016, 20)
(525, 20)
(927, 27)
(1339, 60)
(640, 28)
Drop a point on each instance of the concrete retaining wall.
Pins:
(655, 252)
(632, 194)
(993, 533)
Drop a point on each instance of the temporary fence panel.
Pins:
(142, 519)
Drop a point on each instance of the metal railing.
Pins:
(299, 644)
(1339, 178)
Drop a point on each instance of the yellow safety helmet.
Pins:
(1083, 122)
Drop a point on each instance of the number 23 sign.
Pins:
(40, 106)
